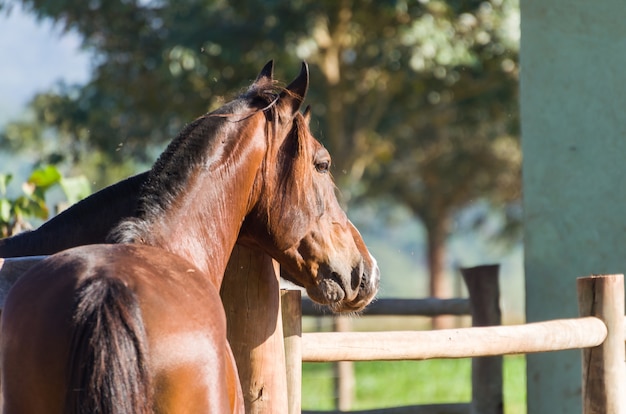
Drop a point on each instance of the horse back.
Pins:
(165, 311)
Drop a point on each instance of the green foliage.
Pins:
(31, 204)
(416, 100)
(384, 74)
(75, 188)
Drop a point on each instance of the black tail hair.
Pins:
(108, 368)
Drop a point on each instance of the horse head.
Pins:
(297, 218)
(251, 171)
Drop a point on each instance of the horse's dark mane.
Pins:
(294, 152)
(188, 151)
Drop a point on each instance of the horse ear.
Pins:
(292, 97)
(307, 114)
(266, 72)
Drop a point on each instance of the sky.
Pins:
(35, 56)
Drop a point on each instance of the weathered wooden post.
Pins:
(604, 366)
(291, 308)
(250, 293)
(484, 295)
(343, 371)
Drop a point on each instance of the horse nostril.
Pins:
(331, 289)
(357, 277)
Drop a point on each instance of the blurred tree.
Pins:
(15, 213)
(460, 145)
(422, 93)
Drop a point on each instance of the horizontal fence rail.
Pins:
(400, 307)
(453, 343)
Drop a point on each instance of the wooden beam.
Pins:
(400, 307)
(453, 343)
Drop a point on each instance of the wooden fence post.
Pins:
(484, 295)
(250, 293)
(343, 370)
(291, 308)
(604, 369)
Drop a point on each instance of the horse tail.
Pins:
(108, 367)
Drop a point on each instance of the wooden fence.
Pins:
(599, 332)
(269, 366)
(483, 305)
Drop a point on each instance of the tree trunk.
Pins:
(332, 37)
(440, 287)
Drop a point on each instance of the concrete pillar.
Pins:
(573, 105)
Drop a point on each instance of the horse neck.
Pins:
(204, 225)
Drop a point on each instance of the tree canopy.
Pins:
(416, 100)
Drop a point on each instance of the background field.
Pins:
(387, 384)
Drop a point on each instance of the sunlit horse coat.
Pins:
(138, 326)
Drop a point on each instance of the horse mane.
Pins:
(190, 150)
(294, 153)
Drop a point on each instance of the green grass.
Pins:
(387, 384)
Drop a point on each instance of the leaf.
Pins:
(75, 188)
(5, 210)
(45, 177)
(27, 207)
(5, 179)
(39, 210)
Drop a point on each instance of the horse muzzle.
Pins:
(367, 288)
(348, 293)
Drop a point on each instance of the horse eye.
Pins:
(322, 166)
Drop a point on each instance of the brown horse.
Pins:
(90, 221)
(138, 326)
